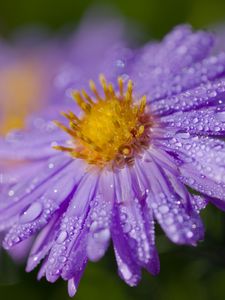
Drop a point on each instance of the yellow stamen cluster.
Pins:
(112, 129)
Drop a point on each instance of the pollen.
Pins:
(113, 127)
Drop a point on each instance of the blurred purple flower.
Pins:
(129, 161)
(26, 75)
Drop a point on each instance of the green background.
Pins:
(186, 273)
(155, 17)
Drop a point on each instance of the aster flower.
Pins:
(120, 159)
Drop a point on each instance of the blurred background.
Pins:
(186, 273)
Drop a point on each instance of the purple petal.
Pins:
(37, 215)
(173, 211)
(20, 145)
(43, 242)
(161, 70)
(74, 282)
(19, 252)
(128, 268)
(201, 163)
(100, 218)
(68, 253)
(130, 209)
(205, 95)
(21, 195)
(207, 121)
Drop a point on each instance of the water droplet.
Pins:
(123, 217)
(62, 258)
(195, 120)
(126, 227)
(126, 272)
(189, 234)
(11, 193)
(221, 116)
(32, 213)
(62, 236)
(163, 209)
(120, 63)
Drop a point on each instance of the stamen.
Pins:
(87, 97)
(103, 83)
(64, 128)
(112, 130)
(94, 89)
(142, 104)
(80, 101)
(62, 148)
(111, 90)
(129, 91)
(120, 84)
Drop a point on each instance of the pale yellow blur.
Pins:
(22, 89)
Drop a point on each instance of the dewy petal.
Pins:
(42, 270)
(74, 282)
(140, 189)
(206, 121)
(15, 148)
(36, 216)
(201, 163)
(157, 68)
(101, 217)
(41, 133)
(174, 213)
(128, 268)
(25, 192)
(21, 250)
(169, 166)
(202, 183)
(205, 95)
(209, 69)
(68, 253)
(130, 209)
(43, 242)
(198, 202)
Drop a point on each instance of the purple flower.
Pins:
(120, 159)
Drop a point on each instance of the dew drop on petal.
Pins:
(11, 193)
(163, 209)
(126, 272)
(221, 116)
(32, 213)
(62, 236)
(189, 234)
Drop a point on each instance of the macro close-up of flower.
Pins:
(121, 156)
(112, 152)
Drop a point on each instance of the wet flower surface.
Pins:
(129, 149)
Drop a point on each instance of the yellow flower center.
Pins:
(112, 130)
